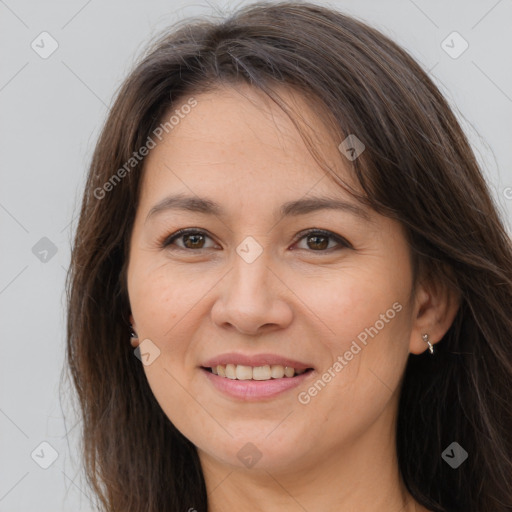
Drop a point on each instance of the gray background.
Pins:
(51, 113)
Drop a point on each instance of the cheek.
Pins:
(367, 356)
(166, 303)
(364, 323)
(351, 300)
(161, 297)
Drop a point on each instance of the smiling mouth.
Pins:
(266, 372)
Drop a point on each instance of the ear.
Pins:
(134, 341)
(435, 305)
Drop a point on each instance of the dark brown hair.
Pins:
(418, 168)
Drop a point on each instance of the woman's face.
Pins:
(249, 287)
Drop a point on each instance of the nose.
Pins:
(252, 299)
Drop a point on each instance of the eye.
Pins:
(319, 240)
(191, 238)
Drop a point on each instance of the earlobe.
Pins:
(436, 306)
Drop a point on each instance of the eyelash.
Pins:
(168, 240)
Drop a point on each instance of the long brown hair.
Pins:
(418, 168)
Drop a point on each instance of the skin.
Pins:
(336, 452)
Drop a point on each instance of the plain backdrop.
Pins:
(51, 112)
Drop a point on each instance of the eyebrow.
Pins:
(290, 208)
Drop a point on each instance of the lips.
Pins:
(258, 377)
(260, 367)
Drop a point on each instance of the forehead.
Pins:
(237, 139)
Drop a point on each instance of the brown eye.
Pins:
(192, 239)
(317, 241)
(322, 241)
(195, 241)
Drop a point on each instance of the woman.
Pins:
(285, 217)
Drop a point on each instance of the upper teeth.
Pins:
(267, 372)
